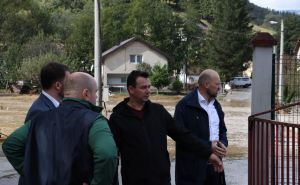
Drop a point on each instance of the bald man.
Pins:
(68, 145)
(202, 114)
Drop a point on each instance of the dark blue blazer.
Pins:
(190, 169)
(41, 104)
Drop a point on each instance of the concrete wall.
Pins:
(262, 80)
(117, 79)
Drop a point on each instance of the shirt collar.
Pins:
(201, 99)
(53, 100)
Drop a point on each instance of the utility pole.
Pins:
(98, 51)
(280, 71)
(281, 77)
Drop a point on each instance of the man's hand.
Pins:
(219, 148)
(216, 162)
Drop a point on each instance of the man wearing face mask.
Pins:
(202, 114)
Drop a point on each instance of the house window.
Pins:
(136, 59)
(123, 79)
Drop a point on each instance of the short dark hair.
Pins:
(51, 73)
(131, 79)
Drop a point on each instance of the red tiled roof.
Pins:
(263, 39)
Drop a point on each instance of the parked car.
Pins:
(241, 82)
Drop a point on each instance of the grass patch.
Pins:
(257, 28)
(13, 109)
(237, 151)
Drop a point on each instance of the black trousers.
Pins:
(214, 178)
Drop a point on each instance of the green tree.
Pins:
(155, 22)
(80, 46)
(12, 61)
(69, 4)
(31, 66)
(144, 67)
(20, 20)
(193, 35)
(114, 16)
(61, 21)
(291, 32)
(177, 85)
(160, 76)
(203, 9)
(228, 42)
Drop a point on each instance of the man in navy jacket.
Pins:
(202, 114)
(51, 78)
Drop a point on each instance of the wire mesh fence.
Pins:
(274, 144)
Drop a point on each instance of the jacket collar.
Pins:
(193, 101)
(123, 108)
(85, 103)
(53, 100)
(47, 101)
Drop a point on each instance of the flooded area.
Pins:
(236, 106)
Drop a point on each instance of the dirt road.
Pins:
(237, 109)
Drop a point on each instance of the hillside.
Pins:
(261, 18)
(294, 11)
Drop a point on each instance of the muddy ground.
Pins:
(236, 106)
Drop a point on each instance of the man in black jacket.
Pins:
(201, 113)
(140, 129)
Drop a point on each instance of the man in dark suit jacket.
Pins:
(202, 114)
(52, 81)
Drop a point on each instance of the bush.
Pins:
(159, 76)
(144, 67)
(31, 67)
(177, 86)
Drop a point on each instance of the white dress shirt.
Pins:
(213, 117)
(54, 101)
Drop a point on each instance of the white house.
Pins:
(190, 75)
(121, 59)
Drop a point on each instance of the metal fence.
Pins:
(287, 81)
(274, 148)
(274, 136)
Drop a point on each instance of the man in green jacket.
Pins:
(68, 145)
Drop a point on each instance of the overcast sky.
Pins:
(278, 4)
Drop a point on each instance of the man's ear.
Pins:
(206, 84)
(58, 86)
(130, 88)
(85, 93)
